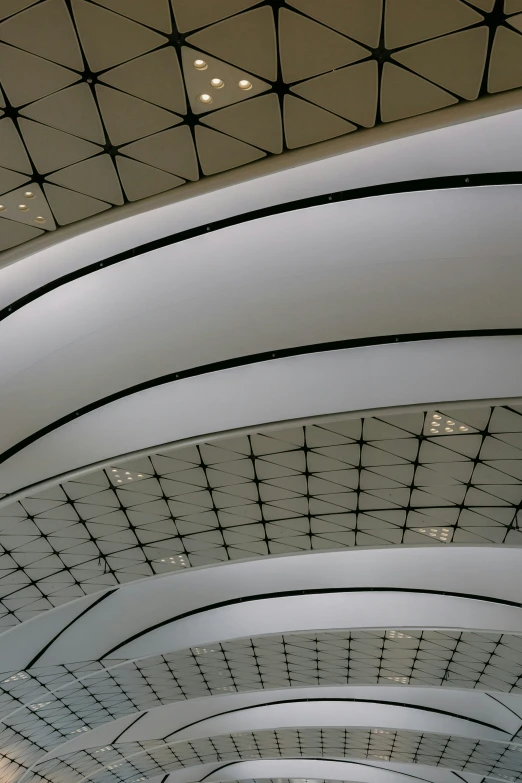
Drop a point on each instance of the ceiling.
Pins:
(101, 97)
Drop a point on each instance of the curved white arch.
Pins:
(461, 587)
(471, 714)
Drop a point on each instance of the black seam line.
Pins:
(140, 716)
(314, 758)
(243, 361)
(419, 707)
(312, 591)
(408, 186)
(507, 708)
(55, 638)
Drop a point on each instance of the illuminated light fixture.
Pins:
(140, 475)
(40, 219)
(115, 470)
(2, 208)
(437, 416)
(450, 422)
(463, 428)
(435, 423)
(217, 83)
(205, 98)
(23, 207)
(434, 430)
(200, 65)
(29, 194)
(127, 472)
(244, 84)
(448, 429)
(120, 481)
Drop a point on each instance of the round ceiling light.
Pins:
(40, 219)
(29, 194)
(205, 98)
(23, 207)
(200, 65)
(217, 83)
(244, 84)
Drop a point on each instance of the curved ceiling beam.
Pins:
(467, 588)
(248, 397)
(464, 713)
(480, 145)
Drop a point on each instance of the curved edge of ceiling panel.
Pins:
(464, 713)
(464, 140)
(280, 390)
(459, 588)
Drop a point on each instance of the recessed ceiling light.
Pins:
(448, 429)
(434, 430)
(29, 194)
(437, 416)
(244, 84)
(40, 219)
(205, 98)
(200, 65)
(23, 207)
(463, 428)
(450, 422)
(217, 83)
(2, 208)
(120, 481)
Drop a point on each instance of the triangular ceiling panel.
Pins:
(247, 40)
(45, 29)
(12, 150)
(140, 180)
(455, 62)
(350, 92)
(128, 118)
(192, 14)
(307, 48)
(153, 13)
(483, 5)
(10, 7)
(10, 180)
(28, 205)
(52, 149)
(512, 6)
(171, 150)
(199, 82)
(17, 74)
(155, 77)
(516, 22)
(256, 122)
(306, 123)
(409, 21)
(403, 94)
(13, 234)
(110, 39)
(505, 66)
(94, 177)
(359, 19)
(68, 206)
(72, 110)
(218, 152)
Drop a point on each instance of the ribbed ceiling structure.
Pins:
(111, 101)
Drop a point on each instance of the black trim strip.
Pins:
(243, 361)
(311, 591)
(419, 707)
(408, 186)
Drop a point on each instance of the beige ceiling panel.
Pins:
(153, 13)
(72, 110)
(350, 92)
(512, 6)
(403, 94)
(409, 21)
(307, 49)
(52, 149)
(247, 40)
(191, 14)
(505, 66)
(140, 180)
(483, 5)
(128, 118)
(455, 62)
(359, 19)
(94, 177)
(257, 122)
(12, 234)
(28, 205)
(110, 39)
(155, 77)
(68, 206)
(11, 179)
(17, 74)
(218, 152)
(306, 123)
(516, 22)
(171, 150)
(199, 82)
(45, 29)
(12, 150)
(10, 7)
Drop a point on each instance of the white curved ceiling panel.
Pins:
(272, 391)
(198, 606)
